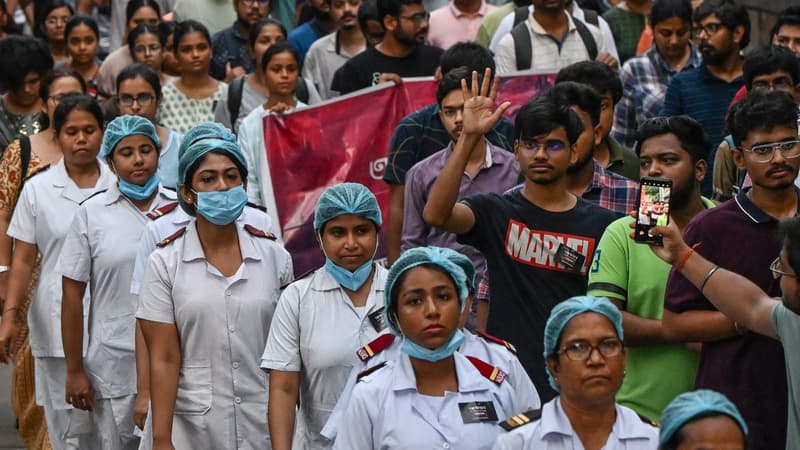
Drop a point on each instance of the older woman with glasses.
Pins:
(585, 360)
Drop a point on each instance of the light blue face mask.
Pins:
(137, 192)
(416, 351)
(222, 207)
(349, 280)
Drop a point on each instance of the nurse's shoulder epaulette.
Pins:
(171, 238)
(497, 340)
(377, 345)
(521, 419)
(257, 232)
(162, 211)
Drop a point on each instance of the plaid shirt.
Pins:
(645, 79)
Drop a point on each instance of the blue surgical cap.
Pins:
(466, 265)
(124, 126)
(565, 311)
(685, 407)
(346, 198)
(201, 140)
(441, 257)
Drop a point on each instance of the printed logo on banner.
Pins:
(540, 248)
(377, 168)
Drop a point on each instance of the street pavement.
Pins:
(9, 440)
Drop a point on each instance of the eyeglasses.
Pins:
(418, 18)
(255, 2)
(152, 48)
(550, 145)
(765, 152)
(778, 84)
(709, 28)
(51, 21)
(777, 269)
(581, 351)
(58, 97)
(141, 99)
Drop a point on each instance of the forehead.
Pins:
(791, 31)
(215, 161)
(426, 278)
(135, 84)
(776, 133)
(559, 134)
(134, 140)
(454, 98)
(673, 22)
(347, 221)
(407, 10)
(588, 325)
(662, 143)
(711, 18)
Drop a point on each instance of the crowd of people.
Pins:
(142, 271)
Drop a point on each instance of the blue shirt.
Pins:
(303, 36)
(229, 46)
(704, 97)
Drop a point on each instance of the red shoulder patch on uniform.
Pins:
(159, 212)
(171, 238)
(497, 340)
(378, 345)
(259, 232)
(489, 371)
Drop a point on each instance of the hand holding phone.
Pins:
(654, 207)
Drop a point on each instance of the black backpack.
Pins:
(236, 88)
(522, 37)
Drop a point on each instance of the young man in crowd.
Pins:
(645, 77)
(786, 31)
(329, 53)
(741, 236)
(704, 93)
(231, 48)
(422, 133)
(627, 21)
(537, 240)
(608, 153)
(457, 21)
(634, 279)
(320, 25)
(401, 53)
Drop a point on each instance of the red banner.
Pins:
(347, 140)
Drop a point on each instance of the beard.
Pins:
(682, 193)
(408, 40)
(580, 164)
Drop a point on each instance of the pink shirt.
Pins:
(449, 25)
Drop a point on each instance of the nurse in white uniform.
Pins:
(702, 419)
(585, 361)
(205, 306)
(44, 212)
(322, 319)
(431, 396)
(99, 251)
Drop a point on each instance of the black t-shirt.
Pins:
(525, 280)
(363, 70)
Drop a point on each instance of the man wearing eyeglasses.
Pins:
(231, 48)
(704, 93)
(741, 236)
(401, 53)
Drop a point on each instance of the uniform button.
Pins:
(446, 445)
(237, 400)
(236, 365)
(230, 329)
(228, 293)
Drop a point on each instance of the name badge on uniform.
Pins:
(570, 258)
(477, 412)
(377, 319)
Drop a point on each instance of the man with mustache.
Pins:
(489, 169)
(320, 25)
(741, 235)
(401, 53)
(704, 93)
(457, 21)
(329, 53)
(231, 48)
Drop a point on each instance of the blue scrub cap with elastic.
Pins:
(565, 311)
(124, 126)
(450, 261)
(685, 407)
(347, 198)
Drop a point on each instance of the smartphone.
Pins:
(654, 199)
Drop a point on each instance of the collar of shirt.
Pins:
(615, 150)
(706, 75)
(555, 420)
(333, 46)
(488, 159)
(193, 249)
(695, 59)
(163, 197)
(318, 27)
(752, 211)
(538, 29)
(70, 190)
(457, 13)
(469, 379)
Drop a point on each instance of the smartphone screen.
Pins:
(654, 197)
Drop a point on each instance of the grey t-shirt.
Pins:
(787, 324)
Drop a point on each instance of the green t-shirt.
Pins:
(787, 324)
(624, 269)
(490, 24)
(627, 29)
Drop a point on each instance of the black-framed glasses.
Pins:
(418, 18)
(551, 146)
(777, 269)
(764, 153)
(581, 350)
(709, 28)
(141, 99)
(152, 48)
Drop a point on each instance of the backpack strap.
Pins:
(591, 16)
(25, 156)
(520, 14)
(301, 90)
(588, 39)
(235, 90)
(523, 50)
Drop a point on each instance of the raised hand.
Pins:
(480, 114)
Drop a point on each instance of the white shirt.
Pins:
(99, 250)
(475, 346)
(323, 59)
(43, 214)
(316, 331)
(508, 23)
(387, 412)
(162, 227)
(222, 324)
(554, 432)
